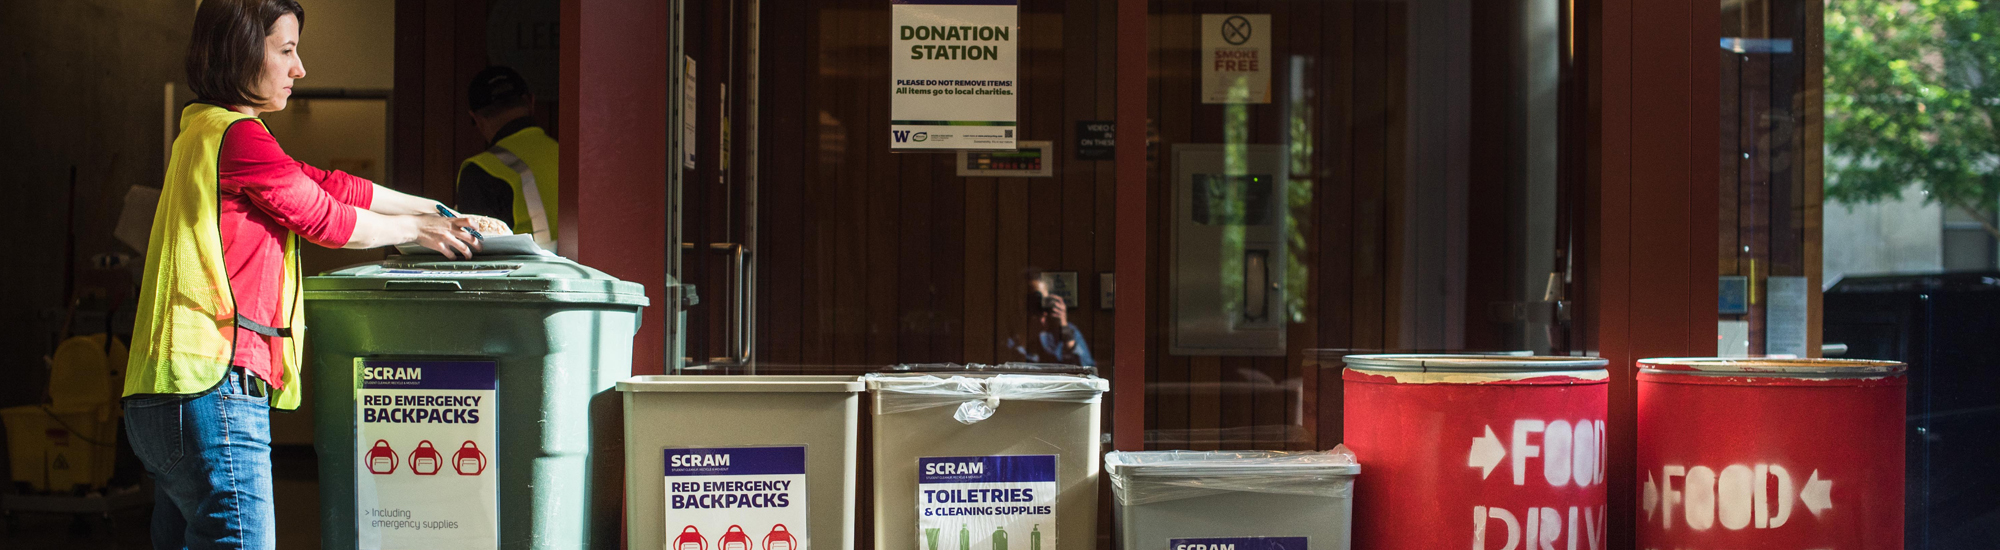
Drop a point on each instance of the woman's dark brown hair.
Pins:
(226, 55)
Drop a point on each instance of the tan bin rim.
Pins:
(676, 383)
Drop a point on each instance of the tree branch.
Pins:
(1984, 221)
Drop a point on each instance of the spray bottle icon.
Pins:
(1000, 538)
(931, 534)
(964, 538)
(1035, 538)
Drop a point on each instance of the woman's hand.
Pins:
(449, 236)
(488, 226)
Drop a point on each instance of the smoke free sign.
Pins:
(986, 501)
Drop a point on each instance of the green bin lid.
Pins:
(537, 274)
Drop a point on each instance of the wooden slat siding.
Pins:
(948, 244)
(815, 310)
(849, 266)
(407, 165)
(439, 172)
(786, 125)
(880, 183)
(1730, 158)
(1306, 34)
(1489, 149)
(1395, 177)
(1043, 34)
(1370, 151)
(1078, 178)
(1754, 176)
(1156, 414)
(916, 286)
(1105, 186)
(982, 247)
(1812, 177)
(1176, 55)
(1336, 216)
(1781, 137)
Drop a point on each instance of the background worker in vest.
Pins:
(216, 342)
(515, 179)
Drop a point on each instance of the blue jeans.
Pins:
(210, 457)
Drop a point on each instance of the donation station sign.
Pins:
(424, 477)
(953, 74)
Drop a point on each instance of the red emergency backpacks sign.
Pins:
(441, 492)
(749, 498)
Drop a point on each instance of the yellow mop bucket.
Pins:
(62, 449)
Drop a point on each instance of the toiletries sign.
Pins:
(966, 502)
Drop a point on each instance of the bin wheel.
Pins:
(80, 526)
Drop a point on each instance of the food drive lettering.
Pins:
(731, 494)
(420, 409)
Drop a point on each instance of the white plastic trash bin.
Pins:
(740, 462)
(1243, 500)
(981, 461)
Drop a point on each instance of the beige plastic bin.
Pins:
(932, 416)
(748, 417)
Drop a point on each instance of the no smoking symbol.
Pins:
(1236, 30)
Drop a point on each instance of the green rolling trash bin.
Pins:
(469, 404)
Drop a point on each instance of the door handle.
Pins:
(741, 317)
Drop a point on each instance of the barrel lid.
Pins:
(1224, 464)
(1773, 367)
(483, 274)
(1473, 363)
(740, 384)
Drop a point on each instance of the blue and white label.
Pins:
(1239, 543)
(424, 472)
(966, 502)
(736, 498)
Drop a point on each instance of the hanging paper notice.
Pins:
(424, 475)
(736, 498)
(966, 502)
(952, 74)
(1235, 58)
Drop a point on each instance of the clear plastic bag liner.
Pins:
(977, 398)
(1148, 477)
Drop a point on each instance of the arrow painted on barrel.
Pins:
(1652, 496)
(1818, 494)
(1486, 453)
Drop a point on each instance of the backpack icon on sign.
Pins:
(780, 539)
(426, 461)
(468, 460)
(381, 459)
(690, 539)
(735, 539)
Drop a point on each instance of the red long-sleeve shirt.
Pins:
(264, 194)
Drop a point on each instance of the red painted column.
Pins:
(613, 209)
(1128, 384)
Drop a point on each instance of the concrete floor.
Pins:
(296, 483)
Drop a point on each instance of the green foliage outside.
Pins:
(1913, 98)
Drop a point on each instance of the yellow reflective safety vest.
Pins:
(185, 337)
(527, 161)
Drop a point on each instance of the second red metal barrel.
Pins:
(1477, 451)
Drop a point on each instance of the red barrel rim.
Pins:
(1499, 364)
(1773, 367)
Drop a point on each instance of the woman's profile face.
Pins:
(281, 64)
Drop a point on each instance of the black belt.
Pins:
(261, 328)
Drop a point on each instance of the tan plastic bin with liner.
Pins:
(1245, 500)
(994, 461)
(754, 431)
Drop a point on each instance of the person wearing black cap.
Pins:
(515, 178)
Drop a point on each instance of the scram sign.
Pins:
(424, 474)
(736, 497)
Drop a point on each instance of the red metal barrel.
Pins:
(1477, 451)
(1770, 453)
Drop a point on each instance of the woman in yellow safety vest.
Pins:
(215, 344)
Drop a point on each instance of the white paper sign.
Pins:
(1235, 58)
(736, 498)
(1785, 316)
(424, 478)
(952, 74)
(966, 502)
